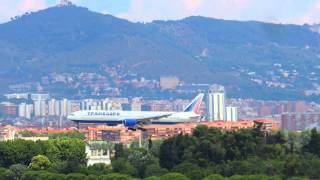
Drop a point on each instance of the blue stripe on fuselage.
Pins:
(115, 122)
(98, 122)
(164, 123)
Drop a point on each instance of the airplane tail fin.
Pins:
(195, 104)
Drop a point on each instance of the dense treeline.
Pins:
(66, 155)
(207, 154)
(208, 151)
(243, 152)
(71, 134)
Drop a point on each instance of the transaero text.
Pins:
(103, 113)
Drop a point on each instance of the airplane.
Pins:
(134, 120)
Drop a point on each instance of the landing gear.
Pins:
(132, 129)
(141, 128)
(137, 128)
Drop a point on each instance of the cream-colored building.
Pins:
(216, 106)
(35, 138)
(98, 152)
(231, 114)
(7, 133)
(169, 82)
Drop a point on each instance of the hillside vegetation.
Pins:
(252, 59)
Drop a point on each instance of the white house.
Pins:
(98, 152)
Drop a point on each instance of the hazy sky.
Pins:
(278, 11)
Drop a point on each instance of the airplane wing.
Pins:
(148, 119)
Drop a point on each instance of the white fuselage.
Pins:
(117, 117)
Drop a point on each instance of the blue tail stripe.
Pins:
(190, 107)
(193, 103)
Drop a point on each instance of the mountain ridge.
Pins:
(67, 38)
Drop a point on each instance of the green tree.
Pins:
(245, 143)
(93, 177)
(3, 173)
(116, 176)
(155, 149)
(210, 151)
(276, 138)
(253, 177)
(173, 150)
(122, 166)
(275, 167)
(297, 140)
(192, 171)
(258, 134)
(16, 171)
(99, 169)
(291, 165)
(214, 177)
(119, 151)
(50, 150)
(313, 146)
(150, 143)
(175, 176)
(39, 162)
(72, 134)
(297, 178)
(76, 176)
(154, 170)
(42, 175)
(72, 151)
(140, 159)
(273, 151)
(26, 133)
(18, 152)
(152, 178)
(204, 131)
(57, 167)
(309, 166)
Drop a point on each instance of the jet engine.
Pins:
(130, 123)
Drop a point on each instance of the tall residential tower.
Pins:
(216, 104)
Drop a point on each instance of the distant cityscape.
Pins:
(45, 110)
